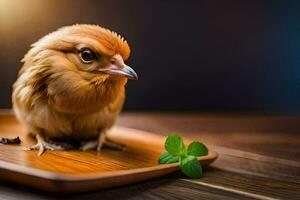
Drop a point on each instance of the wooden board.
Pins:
(77, 171)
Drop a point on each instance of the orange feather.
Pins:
(58, 96)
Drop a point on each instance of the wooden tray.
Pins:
(77, 171)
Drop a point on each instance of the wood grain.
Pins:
(259, 159)
(259, 154)
(77, 171)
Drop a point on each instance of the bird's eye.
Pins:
(87, 55)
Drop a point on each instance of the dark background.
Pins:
(190, 55)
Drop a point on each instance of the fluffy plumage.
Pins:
(60, 95)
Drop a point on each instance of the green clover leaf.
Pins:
(191, 167)
(197, 149)
(176, 152)
(174, 145)
(167, 158)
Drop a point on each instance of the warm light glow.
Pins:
(10, 11)
(17, 14)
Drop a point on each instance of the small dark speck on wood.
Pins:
(15, 140)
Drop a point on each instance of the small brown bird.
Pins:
(72, 86)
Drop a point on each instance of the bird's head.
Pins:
(80, 64)
(90, 48)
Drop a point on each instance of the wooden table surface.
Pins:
(259, 159)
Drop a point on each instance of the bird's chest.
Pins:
(91, 125)
(76, 126)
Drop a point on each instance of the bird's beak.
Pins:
(119, 68)
(125, 71)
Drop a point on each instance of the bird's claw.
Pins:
(113, 145)
(42, 146)
(85, 146)
(100, 143)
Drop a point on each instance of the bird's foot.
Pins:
(101, 142)
(42, 146)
